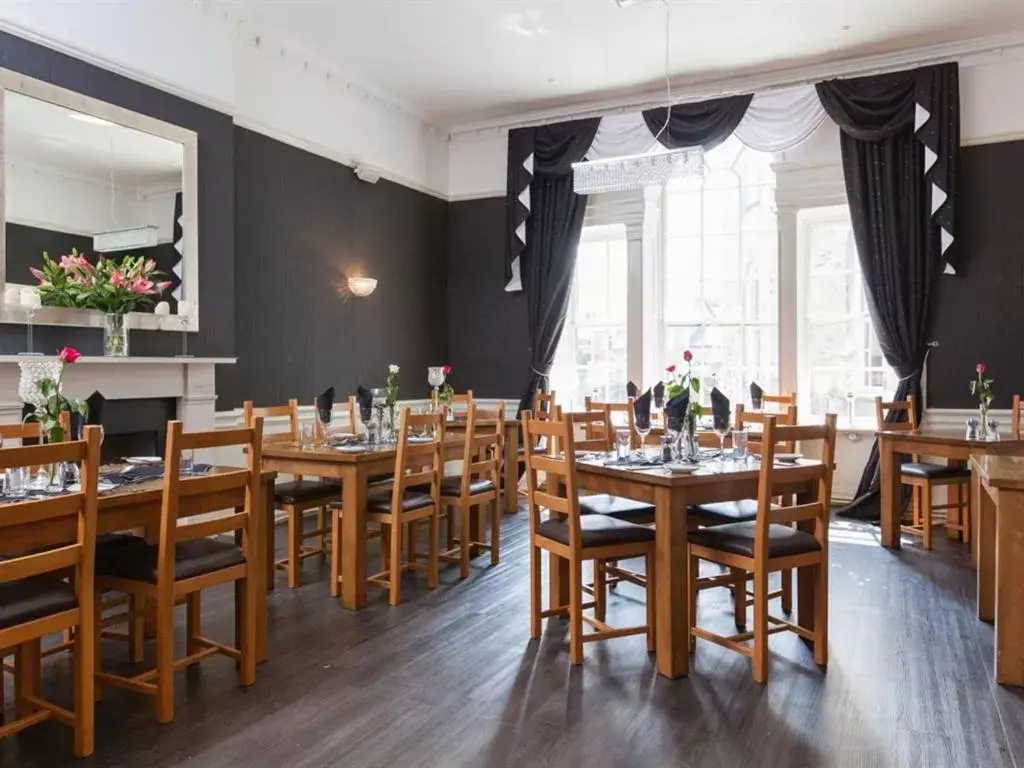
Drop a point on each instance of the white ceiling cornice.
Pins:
(968, 52)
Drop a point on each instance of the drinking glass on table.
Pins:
(306, 436)
(739, 443)
(324, 416)
(642, 425)
(622, 444)
(721, 427)
(187, 460)
(17, 481)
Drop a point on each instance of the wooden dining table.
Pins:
(671, 495)
(137, 506)
(510, 448)
(950, 444)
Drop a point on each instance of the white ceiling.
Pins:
(43, 134)
(460, 61)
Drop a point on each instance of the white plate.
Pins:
(420, 439)
(143, 459)
(790, 458)
(681, 469)
(351, 448)
(103, 485)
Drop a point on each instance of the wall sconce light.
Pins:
(362, 286)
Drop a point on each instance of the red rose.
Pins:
(671, 369)
(446, 370)
(687, 355)
(69, 355)
(981, 369)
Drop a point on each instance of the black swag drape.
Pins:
(706, 123)
(553, 232)
(890, 209)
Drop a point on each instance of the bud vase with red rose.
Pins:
(981, 388)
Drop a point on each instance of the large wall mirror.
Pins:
(81, 175)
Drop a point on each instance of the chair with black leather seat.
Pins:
(37, 599)
(187, 560)
(575, 537)
(413, 496)
(476, 486)
(923, 478)
(769, 543)
(298, 496)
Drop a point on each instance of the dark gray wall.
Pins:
(301, 222)
(216, 337)
(488, 338)
(979, 313)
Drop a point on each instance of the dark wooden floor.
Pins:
(451, 678)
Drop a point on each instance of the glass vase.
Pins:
(688, 449)
(392, 427)
(983, 422)
(115, 335)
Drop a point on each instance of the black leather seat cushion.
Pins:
(738, 539)
(616, 506)
(30, 599)
(191, 558)
(381, 502)
(303, 491)
(934, 471)
(452, 486)
(597, 531)
(726, 512)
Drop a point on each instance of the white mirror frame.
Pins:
(90, 318)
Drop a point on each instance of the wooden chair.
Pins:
(614, 410)
(785, 417)
(35, 599)
(298, 496)
(923, 478)
(574, 537)
(462, 400)
(478, 485)
(1015, 418)
(351, 411)
(768, 544)
(187, 561)
(413, 496)
(784, 402)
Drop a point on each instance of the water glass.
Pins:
(17, 481)
(667, 442)
(972, 429)
(187, 460)
(993, 431)
(622, 444)
(307, 436)
(739, 443)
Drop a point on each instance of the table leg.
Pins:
(988, 519)
(511, 469)
(270, 526)
(1009, 629)
(889, 466)
(976, 493)
(670, 566)
(806, 576)
(353, 543)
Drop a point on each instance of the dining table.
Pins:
(715, 480)
(510, 450)
(356, 466)
(941, 442)
(136, 505)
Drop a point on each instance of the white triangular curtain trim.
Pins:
(524, 198)
(516, 282)
(921, 116)
(780, 120)
(929, 158)
(938, 198)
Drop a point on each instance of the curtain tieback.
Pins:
(929, 347)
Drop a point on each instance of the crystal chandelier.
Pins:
(620, 174)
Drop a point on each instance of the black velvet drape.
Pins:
(897, 241)
(705, 124)
(553, 232)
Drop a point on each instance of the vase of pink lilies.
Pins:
(114, 287)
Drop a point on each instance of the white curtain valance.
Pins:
(779, 120)
(622, 136)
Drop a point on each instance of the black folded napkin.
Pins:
(632, 390)
(137, 473)
(659, 394)
(675, 411)
(325, 405)
(719, 409)
(756, 396)
(642, 410)
(365, 399)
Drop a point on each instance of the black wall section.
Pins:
(301, 221)
(979, 314)
(488, 338)
(216, 337)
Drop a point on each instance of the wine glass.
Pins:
(720, 422)
(324, 416)
(642, 425)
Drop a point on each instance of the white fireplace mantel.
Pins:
(189, 380)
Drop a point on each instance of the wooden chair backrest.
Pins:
(462, 399)
(419, 463)
(772, 476)
(543, 405)
(597, 431)
(28, 430)
(783, 401)
(75, 510)
(560, 470)
(1015, 418)
(615, 409)
(237, 490)
(787, 418)
(483, 447)
(291, 410)
(353, 424)
(898, 407)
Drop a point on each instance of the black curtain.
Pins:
(706, 124)
(553, 231)
(890, 200)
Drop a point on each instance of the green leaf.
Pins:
(695, 385)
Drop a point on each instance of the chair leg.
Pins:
(385, 547)
(926, 514)
(294, 546)
(535, 587)
(395, 579)
(84, 651)
(916, 495)
(245, 594)
(495, 531)
(760, 626)
(821, 614)
(965, 512)
(136, 630)
(433, 553)
(411, 534)
(336, 553)
(576, 611)
(27, 675)
(786, 577)
(449, 529)
(739, 597)
(692, 574)
(194, 621)
(464, 539)
(165, 658)
(321, 525)
(136, 626)
(600, 591)
(652, 603)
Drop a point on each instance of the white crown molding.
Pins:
(973, 52)
(484, 195)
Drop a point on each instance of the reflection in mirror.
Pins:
(76, 181)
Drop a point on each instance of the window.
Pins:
(718, 272)
(841, 367)
(591, 358)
